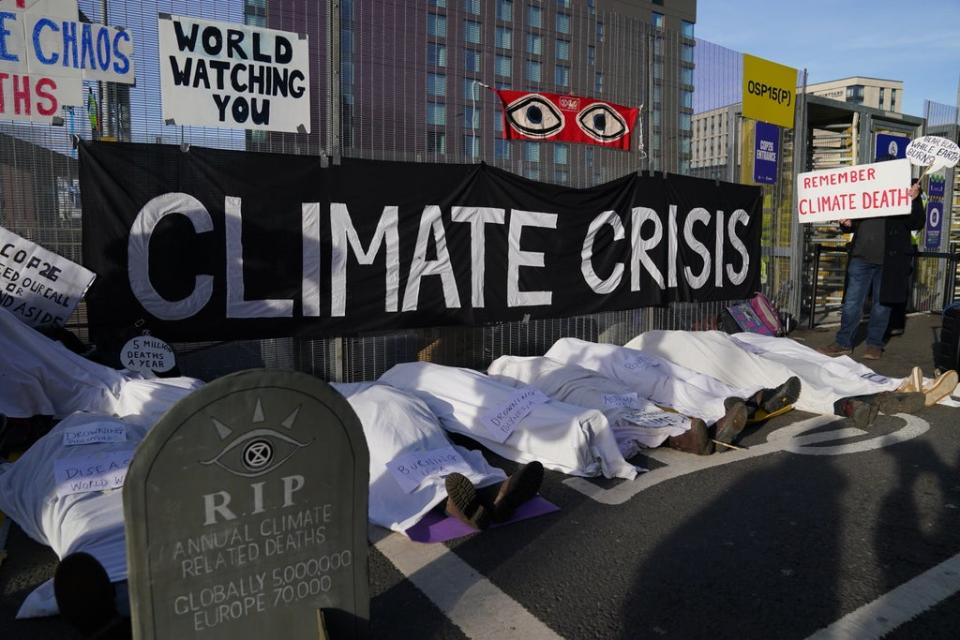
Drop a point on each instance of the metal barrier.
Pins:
(933, 285)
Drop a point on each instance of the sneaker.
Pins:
(463, 502)
(517, 489)
(772, 400)
(835, 350)
(862, 411)
(913, 382)
(940, 388)
(872, 352)
(84, 594)
(694, 440)
(891, 402)
(727, 428)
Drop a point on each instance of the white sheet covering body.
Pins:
(90, 522)
(397, 423)
(666, 383)
(636, 421)
(745, 358)
(563, 437)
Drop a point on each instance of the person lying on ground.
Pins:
(636, 421)
(520, 424)
(828, 385)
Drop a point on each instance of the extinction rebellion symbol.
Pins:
(257, 455)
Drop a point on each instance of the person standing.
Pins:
(879, 265)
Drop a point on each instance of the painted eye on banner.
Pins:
(602, 123)
(256, 453)
(534, 116)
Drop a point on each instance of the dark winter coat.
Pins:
(898, 252)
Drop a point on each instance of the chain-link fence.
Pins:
(412, 81)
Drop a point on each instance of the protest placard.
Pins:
(862, 191)
(38, 286)
(232, 76)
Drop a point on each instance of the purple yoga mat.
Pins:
(437, 527)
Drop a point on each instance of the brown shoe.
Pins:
(775, 399)
(872, 352)
(517, 489)
(463, 502)
(940, 388)
(892, 402)
(861, 410)
(694, 440)
(835, 349)
(727, 428)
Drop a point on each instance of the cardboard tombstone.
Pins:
(246, 514)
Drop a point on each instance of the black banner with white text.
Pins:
(213, 245)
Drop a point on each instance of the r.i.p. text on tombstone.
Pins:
(246, 514)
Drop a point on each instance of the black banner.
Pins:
(211, 245)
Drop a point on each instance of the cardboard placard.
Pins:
(863, 191)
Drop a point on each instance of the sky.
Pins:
(915, 42)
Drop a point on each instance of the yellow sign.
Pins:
(769, 91)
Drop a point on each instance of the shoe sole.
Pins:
(517, 489)
(900, 402)
(462, 495)
(865, 414)
(702, 444)
(941, 388)
(734, 422)
(787, 393)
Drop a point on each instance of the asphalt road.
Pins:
(787, 538)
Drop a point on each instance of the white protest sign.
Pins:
(38, 286)
(233, 76)
(618, 400)
(501, 421)
(146, 353)
(94, 433)
(863, 191)
(412, 468)
(934, 152)
(94, 472)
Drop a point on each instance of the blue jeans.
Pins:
(862, 277)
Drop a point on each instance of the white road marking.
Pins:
(878, 618)
(467, 598)
(787, 438)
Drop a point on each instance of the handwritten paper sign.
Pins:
(89, 473)
(36, 285)
(233, 76)
(617, 400)
(411, 469)
(501, 421)
(656, 419)
(934, 152)
(146, 353)
(96, 432)
(862, 191)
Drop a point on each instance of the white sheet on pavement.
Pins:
(397, 423)
(636, 421)
(563, 437)
(663, 382)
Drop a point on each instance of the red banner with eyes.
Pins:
(552, 117)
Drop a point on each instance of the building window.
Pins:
(684, 120)
(893, 99)
(562, 76)
(503, 65)
(436, 25)
(436, 113)
(472, 6)
(504, 37)
(686, 99)
(686, 75)
(534, 71)
(535, 16)
(656, 117)
(438, 3)
(501, 149)
(686, 29)
(563, 23)
(658, 71)
(685, 146)
(591, 54)
(471, 60)
(505, 10)
(471, 146)
(855, 93)
(563, 4)
(658, 46)
(436, 84)
(599, 32)
(561, 154)
(656, 19)
(563, 49)
(531, 173)
(471, 31)
(436, 142)
(436, 54)
(471, 90)
(503, 85)
(881, 97)
(531, 151)
(471, 118)
(657, 94)
(686, 52)
(498, 122)
(534, 44)
(598, 82)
